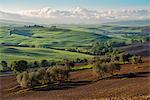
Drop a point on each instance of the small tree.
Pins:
(101, 48)
(44, 63)
(33, 78)
(105, 68)
(58, 73)
(19, 66)
(99, 69)
(4, 65)
(124, 57)
(42, 76)
(23, 79)
(36, 64)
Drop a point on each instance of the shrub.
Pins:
(136, 59)
(44, 63)
(68, 63)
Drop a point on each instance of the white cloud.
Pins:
(76, 15)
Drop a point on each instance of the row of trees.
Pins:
(121, 58)
(23, 65)
(51, 75)
(104, 66)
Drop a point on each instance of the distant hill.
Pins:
(141, 49)
(4, 22)
(131, 22)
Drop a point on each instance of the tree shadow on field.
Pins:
(63, 86)
(74, 84)
(129, 75)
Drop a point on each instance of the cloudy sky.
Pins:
(74, 11)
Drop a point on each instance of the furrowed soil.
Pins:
(82, 86)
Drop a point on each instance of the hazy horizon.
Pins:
(74, 11)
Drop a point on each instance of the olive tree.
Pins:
(23, 79)
(101, 69)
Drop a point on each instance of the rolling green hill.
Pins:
(39, 42)
(11, 53)
(68, 38)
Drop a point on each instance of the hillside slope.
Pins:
(138, 49)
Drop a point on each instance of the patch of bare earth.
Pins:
(82, 86)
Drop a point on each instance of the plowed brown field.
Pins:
(84, 88)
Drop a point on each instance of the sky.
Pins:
(74, 11)
(16, 5)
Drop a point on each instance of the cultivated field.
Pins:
(85, 86)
